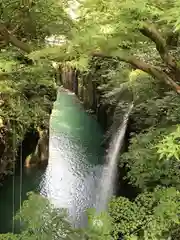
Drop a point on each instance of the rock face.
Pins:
(86, 88)
(41, 153)
(34, 150)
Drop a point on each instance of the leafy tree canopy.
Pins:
(151, 216)
(41, 220)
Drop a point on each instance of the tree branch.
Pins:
(7, 37)
(151, 70)
(19, 44)
(150, 31)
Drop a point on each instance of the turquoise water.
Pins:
(75, 164)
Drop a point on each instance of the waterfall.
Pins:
(106, 187)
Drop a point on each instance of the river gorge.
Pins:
(75, 164)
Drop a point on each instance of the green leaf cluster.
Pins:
(151, 216)
(40, 220)
(35, 19)
(27, 93)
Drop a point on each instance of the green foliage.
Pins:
(99, 226)
(24, 91)
(147, 159)
(152, 215)
(41, 220)
(113, 26)
(161, 111)
(35, 19)
(9, 236)
(27, 95)
(169, 146)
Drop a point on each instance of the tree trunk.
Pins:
(150, 31)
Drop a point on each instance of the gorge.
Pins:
(71, 179)
(108, 55)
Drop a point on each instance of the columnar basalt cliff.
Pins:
(85, 86)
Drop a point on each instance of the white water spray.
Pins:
(107, 182)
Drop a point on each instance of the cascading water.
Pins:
(106, 187)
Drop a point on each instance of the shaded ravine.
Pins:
(75, 165)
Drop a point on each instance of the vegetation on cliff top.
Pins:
(27, 88)
(142, 38)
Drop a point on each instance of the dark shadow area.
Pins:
(123, 186)
(27, 146)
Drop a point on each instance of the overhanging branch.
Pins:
(8, 37)
(150, 31)
(19, 44)
(148, 68)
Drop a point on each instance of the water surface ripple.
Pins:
(75, 164)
